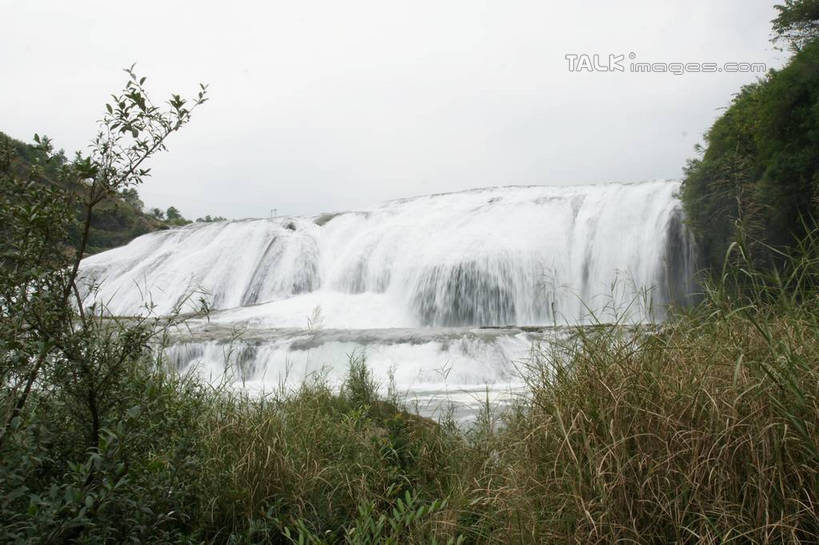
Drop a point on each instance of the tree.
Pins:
(51, 332)
(173, 214)
(797, 22)
(158, 213)
(210, 219)
(131, 196)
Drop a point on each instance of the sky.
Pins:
(330, 106)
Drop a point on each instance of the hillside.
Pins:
(117, 220)
(757, 177)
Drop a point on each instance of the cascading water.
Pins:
(439, 266)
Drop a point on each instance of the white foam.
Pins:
(513, 255)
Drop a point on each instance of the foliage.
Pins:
(210, 219)
(761, 166)
(131, 196)
(704, 432)
(55, 351)
(797, 22)
(174, 217)
(118, 217)
(403, 524)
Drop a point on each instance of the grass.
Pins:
(701, 431)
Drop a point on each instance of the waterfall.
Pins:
(442, 294)
(486, 257)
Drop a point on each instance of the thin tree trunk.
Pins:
(21, 401)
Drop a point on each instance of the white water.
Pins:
(427, 366)
(489, 257)
(519, 255)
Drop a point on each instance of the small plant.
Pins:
(360, 388)
(407, 522)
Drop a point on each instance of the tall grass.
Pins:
(703, 430)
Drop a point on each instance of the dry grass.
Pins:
(703, 432)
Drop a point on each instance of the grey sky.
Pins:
(341, 105)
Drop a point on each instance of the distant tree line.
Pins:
(172, 216)
(119, 217)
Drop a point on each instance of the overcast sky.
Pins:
(330, 105)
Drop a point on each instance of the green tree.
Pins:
(760, 166)
(210, 219)
(59, 351)
(131, 196)
(173, 214)
(797, 22)
(117, 219)
(51, 332)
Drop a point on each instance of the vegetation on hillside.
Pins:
(797, 22)
(117, 219)
(761, 162)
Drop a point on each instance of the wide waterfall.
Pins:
(305, 291)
